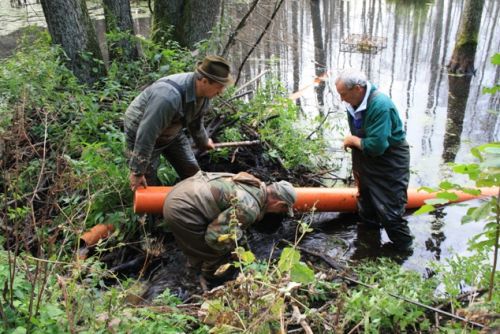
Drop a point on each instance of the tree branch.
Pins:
(240, 26)
(276, 9)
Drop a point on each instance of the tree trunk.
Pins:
(319, 52)
(119, 19)
(462, 60)
(70, 26)
(457, 103)
(192, 20)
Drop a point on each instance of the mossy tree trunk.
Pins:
(462, 60)
(119, 20)
(70, 26)
(191, 20)
(458, 95)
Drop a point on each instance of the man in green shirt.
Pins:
(155, 120)
(209, 212)
(380, 156)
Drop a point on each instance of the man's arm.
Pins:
(199, 134)
(162, 106)
(228, 226)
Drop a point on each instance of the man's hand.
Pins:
(352, 142)
(137, 181)
(210, 145)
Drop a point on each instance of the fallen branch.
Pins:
(237, 143)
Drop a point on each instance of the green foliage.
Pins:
(495, 60)
(275, 118)
(255, 302)
(376, 310)
(64, 146)
(72, 305)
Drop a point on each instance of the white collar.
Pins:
(357, 113)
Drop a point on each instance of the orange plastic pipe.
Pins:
(96, 233)
(151, 199)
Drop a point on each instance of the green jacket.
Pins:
(157, 115)
(381, 125)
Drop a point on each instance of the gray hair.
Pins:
(351, 78)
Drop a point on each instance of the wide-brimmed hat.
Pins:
(285, 192)
(215, 68)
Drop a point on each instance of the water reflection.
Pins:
(305, 40)
(411, 69)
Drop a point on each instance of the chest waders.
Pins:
(382, 183)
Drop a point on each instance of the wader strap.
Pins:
(181, 91)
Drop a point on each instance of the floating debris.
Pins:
(363, 43)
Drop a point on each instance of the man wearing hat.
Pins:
(208, 213)
(155, 120)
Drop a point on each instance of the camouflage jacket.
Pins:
(241, 199)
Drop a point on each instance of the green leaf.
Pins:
(466, 219)
(289, 257)
(301, 273)
(493, 162)
(482, 211)
(492, 148)
(247, 257)
(495, 59)
(491, 90)
(447, 196)
(466, 169)
(427, 189)
(424, 209)
(436, 201)
(52, 311)
(472, 191)
(447, 185)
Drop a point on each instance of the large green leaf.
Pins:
(289, 257)
(482, 211)
(424, 209)
(301, 273)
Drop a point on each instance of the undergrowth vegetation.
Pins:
(64, 171)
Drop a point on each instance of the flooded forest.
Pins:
(405, 48)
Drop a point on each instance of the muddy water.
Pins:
(414, 43)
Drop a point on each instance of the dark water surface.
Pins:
(414, 42)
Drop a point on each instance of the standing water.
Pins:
(404, 48)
